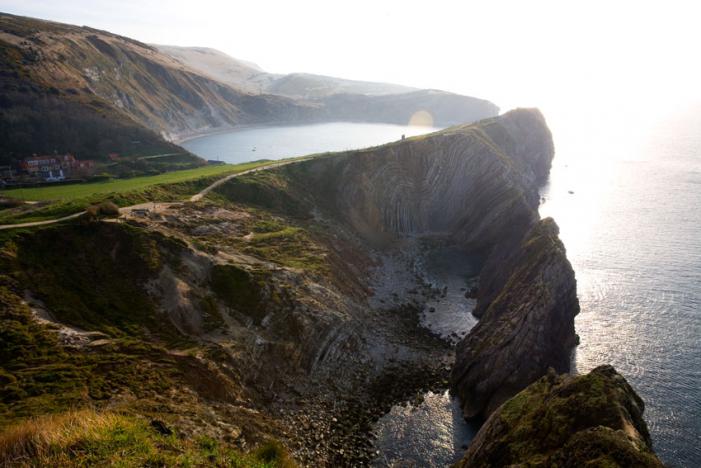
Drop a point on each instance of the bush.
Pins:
(106, 208)
(274, 453)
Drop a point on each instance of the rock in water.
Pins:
(567, 421)
(527, 301)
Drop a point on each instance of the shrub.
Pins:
(274, 453)
(108, 208)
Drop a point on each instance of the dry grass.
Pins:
(81, 438)
(38, 439)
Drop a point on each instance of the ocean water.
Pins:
(432, 434)
(632, 229)
(278, 142)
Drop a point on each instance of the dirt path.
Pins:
(41, 223)
(149, 205)
(224, 180)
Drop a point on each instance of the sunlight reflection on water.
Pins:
(632, 229)
(438, 418)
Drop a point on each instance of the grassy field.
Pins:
(76, 191)
(62, 200)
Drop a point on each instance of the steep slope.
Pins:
(587, 420)
(64, 86)
(38, 117)
(474, 187)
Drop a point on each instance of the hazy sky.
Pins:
(619, 57)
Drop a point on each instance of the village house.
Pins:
(56, 167)
(45, 167)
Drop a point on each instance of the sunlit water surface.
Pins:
(632, 229)
(430, 434)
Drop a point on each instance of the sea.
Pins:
(629, 209)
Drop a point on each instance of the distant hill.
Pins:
(248, 76)
(421, 107)
(240, 74)
(90, 92)
(308, 86)
(335, 98)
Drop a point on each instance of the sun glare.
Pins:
(421, 118)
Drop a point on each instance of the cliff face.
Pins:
(527, 321)
(474, 184)
(594, 419)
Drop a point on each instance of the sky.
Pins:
(597, 61)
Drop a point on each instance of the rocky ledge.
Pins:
(527, 303)
(587, 420)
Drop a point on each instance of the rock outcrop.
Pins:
(568, 421)
(528, 302)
